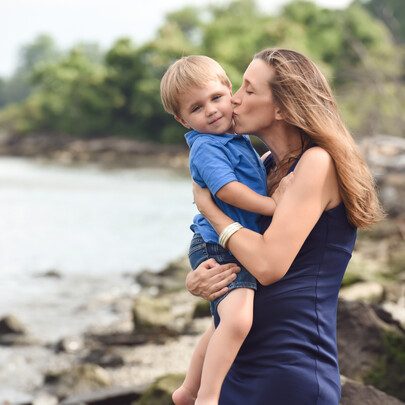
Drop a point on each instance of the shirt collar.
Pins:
(223, 138)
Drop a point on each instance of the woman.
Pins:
(290, 355)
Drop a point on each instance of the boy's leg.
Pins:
(236, 314)
(187, 393)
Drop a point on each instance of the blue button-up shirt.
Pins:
(216, 160)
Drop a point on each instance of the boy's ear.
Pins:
(182, 122)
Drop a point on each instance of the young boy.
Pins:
(197, 91)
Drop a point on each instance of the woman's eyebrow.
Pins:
(249, 83)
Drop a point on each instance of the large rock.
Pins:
(385, 153)
(14, 333)
(44, 398)
(70, 344)
(106, 396)
(369, 291)
(171, 278)
(11, 325)
(152, 314)
(202, 309)
(160, 393)
(355, 393)
(371, 346)
(104, 357)
(77, 380)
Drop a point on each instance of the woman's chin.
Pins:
(237, 130)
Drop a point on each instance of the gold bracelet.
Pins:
(228, 232)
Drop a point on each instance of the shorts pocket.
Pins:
(197, 253)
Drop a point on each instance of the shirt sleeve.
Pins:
(211, 165)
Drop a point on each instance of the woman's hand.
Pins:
(209, 280)
(202, 198)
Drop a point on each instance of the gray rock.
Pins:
(371, 346)
(171, 278)
(107, 396)
(201, 309)
(44, 398)
(70, 344)
(51, 274)
(160, 393)
(355, 393)
(77, 380)
(12, 325)
(369, 291)
(163, 283)
(117, 339)
(104, 358)
(152, 314)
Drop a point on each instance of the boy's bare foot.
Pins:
(182, 396)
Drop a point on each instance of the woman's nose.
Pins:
(235, 99)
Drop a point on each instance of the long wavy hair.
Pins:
(305, 98)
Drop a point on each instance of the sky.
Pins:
(100, 21)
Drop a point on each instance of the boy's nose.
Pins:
(211, 109)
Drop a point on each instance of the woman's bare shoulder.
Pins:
(316, 159)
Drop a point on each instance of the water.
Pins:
(91, 226)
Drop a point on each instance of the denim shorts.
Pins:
(200, 251)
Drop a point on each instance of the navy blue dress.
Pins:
(290, 354)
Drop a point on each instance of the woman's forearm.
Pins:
(249, 247)
(262, 257)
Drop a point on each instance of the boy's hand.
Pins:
(282, 187)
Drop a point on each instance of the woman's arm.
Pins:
(269, 256)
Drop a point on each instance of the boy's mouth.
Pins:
(215, 121)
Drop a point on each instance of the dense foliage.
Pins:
(88, 94)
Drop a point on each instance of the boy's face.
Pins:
(207, 109)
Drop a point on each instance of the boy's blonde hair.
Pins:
(185, 73)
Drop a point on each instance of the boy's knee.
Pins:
(240, 324)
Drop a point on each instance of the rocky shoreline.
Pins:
(140, 359)
(108, 152)
(143, 357)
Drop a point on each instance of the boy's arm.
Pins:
(241, 196)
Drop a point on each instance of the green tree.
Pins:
(174, 39)
(69, 98)
(41, 51)
(88, 93)
(391, 12)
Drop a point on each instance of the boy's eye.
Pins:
(196, 108)
(217, 97)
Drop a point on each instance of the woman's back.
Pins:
(290, 355)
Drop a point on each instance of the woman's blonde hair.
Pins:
(305, 98)
(188, 72)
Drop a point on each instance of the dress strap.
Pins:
(269, 162)
(292, 167)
